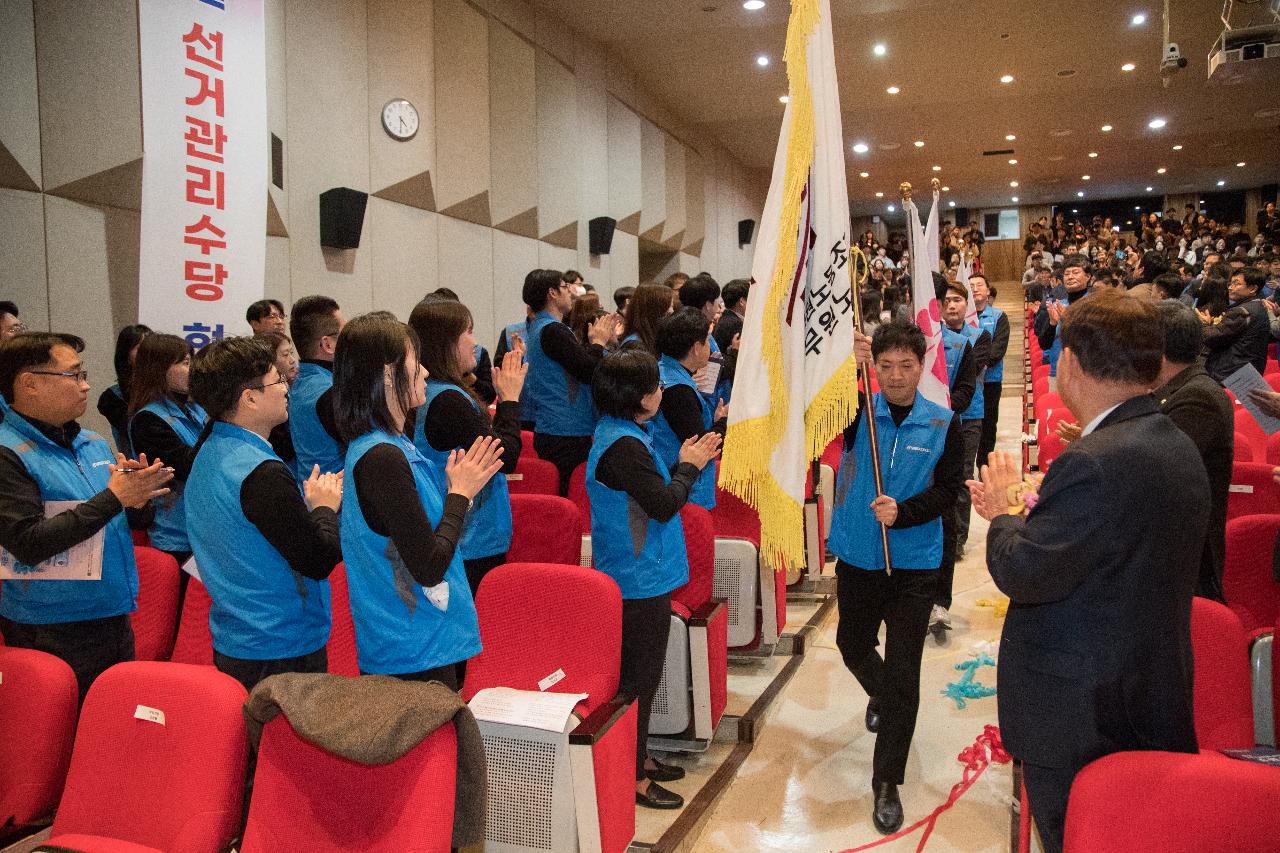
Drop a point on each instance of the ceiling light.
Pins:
(1106, 128)
(1128, 66)
(893, 90)
(1013, 162)
(1080, 194)
(1013, 183)
(946, 189)
(951, 204)
(1137, 207)
(1074, 210)
(786, 99)
(753, 5)
(864, 174)
(1161, 170)
(939, 168)
(1222, 183)
(892, 208)
(879, 195)
(919, 143)
(1093, 153)
(1138, 20)
(762, 60)
(1009, 137)
(860, 148)
(1008, 78)
(1177, 148)
(1240, 164)
(1156, 123)
(1015, 198)
(1149, 189)
(879, 50)
(1084, 177)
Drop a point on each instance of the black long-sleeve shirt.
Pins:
(389, 500)
(307, 539)
(115, 409)
(562, 346)
(24, 531)
(452, 421)
(940, 496)
(484, 378)
(999, 341)
(682, 408)
(627, 467)
(154, 437)
(965, 384)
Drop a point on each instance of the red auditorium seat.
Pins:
(155, 620)
(1173, 802)
(828, 466)
(38, 698)
(757, 595)
(140, 538)
(1250, 589)
(1242, 448)
(539, 620)
(534, 476)
(1253, 490)
(1047, 403)
(1039, 387)
(341, 648)
(544, 529)
(1273, 375)
(527, 450)
(305, 798)
(1273, 449)
(158, 764)
(1275, 683)
(1257, 438)
(1223, 700)
(578, 494)
(194, 643)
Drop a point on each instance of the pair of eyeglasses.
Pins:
(18, 328)
(277, 316)
(78, 375)
(267, 385)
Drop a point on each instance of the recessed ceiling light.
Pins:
(1106, 128)
(1156, 123)
(864, 174)
(1084, 177)
(1149, 189)
(892, 208)
(1013, 183)
(1080, 194)
(1177, 148)
(939, 168)
(1015, 198)
(1138, 20)
(1161, 170)
(1222, 183)
(879, 50)
(1128, 66)
(919, 143)
(786, 99)
(1093, 153)
(860, 148)
(893, 90)
(1013, 162)
(951, 204)
(1009, 137)
(753, 5)
(1137, 207)
(1074, 210)
(946, 189)
(762, 60)
(1008, 78)
(1240, 164)
(879, 195)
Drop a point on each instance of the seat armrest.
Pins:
(701, 616)
(598, 722)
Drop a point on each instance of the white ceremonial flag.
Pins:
(796, 384)
(924, 262)
(204, 167)
(962, 275)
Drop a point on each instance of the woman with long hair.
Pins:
(585, 311)
(164, 424)
(454, 418)
(649, 304)
(414, 615)
(113, 403)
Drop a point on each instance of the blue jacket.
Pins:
(311, 441)
(908, 455)
(672, 372)
(987, 319)
(487, 530)
(562, 404)
(262, 609)
(168, 531)
(398, 630)
(644, 556)
(70, 475)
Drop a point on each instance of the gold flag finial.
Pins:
(935, 184)
(904, 189)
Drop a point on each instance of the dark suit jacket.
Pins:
(1095, 656)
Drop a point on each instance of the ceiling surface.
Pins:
(947, 58)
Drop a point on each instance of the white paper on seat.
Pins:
(547, 711)
(192, 569)
(1241, 383)
(81, 562)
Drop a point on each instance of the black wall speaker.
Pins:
(600, 234)
(746, 227)
(342, 217)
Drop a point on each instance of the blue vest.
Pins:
(487, 530)
(953, 344)
(262, 609)
(562, 403)
(311, 441)
(70, 475)
(1052, 353)
(644, 556)
(169, 530)
(528, 410)
(908, 455)
(5, 408)
(665, 443)
(987, 319)
(975, 412)
(398, 630)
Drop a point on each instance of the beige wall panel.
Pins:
(695, 223)
(403, 243)
(466, 265)
(625, 194)
(711, 213)
(401, 57)
(23, 278)
(19, 97)
(624, 261)
(328, 142)
(90, 90)
(516, 14)
(93, 264)
(674, 224)
(592, 143)
(558, 184)
(513, 257)
(513, 111)
(653, 180)
(558, 258)
(277, 115)
(462, 111)
(554, 37)
(621, 82)
(278, 283)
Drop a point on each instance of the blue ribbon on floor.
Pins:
(966, 687)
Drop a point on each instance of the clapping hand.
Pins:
(699, 451)
(508, 379)
(603, 330)
(1068, 431)
(991, 494)
(134, 482)
(322, 489)
(468, 471)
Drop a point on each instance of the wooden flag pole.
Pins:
(864, 373)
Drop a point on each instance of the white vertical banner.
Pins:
(204, 168)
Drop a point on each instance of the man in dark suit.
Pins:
(1095, 656)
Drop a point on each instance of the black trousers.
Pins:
(1048, 789)
(646, 622)
(89, 647)
(479, 567)
(901, 601)
(990, 417)
(947, 569)
(183, 579)
(971, 432)
(250, 672)
(566, 452)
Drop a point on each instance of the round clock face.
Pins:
(400, 119)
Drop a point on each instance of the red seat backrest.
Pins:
(155, 622)
(171, 785)
(1275, 681)
(1039, 387)
(1273, 375)
(1247, 425)
(831, 453)
(194, 644)
(544, 529)
(1250, 589)
(1223, 697)
(341, 648)
(700, 544)
(537, 619)
(1253, 490)
(1273, 449)
(38, 699)
(534, 476)
(734, 519)
(305, 798)
(527, 450)
(578, 494)
(1242, 449)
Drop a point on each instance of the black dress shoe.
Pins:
(659, 797)
(873, 715)
(664, 772)
(886, 814)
